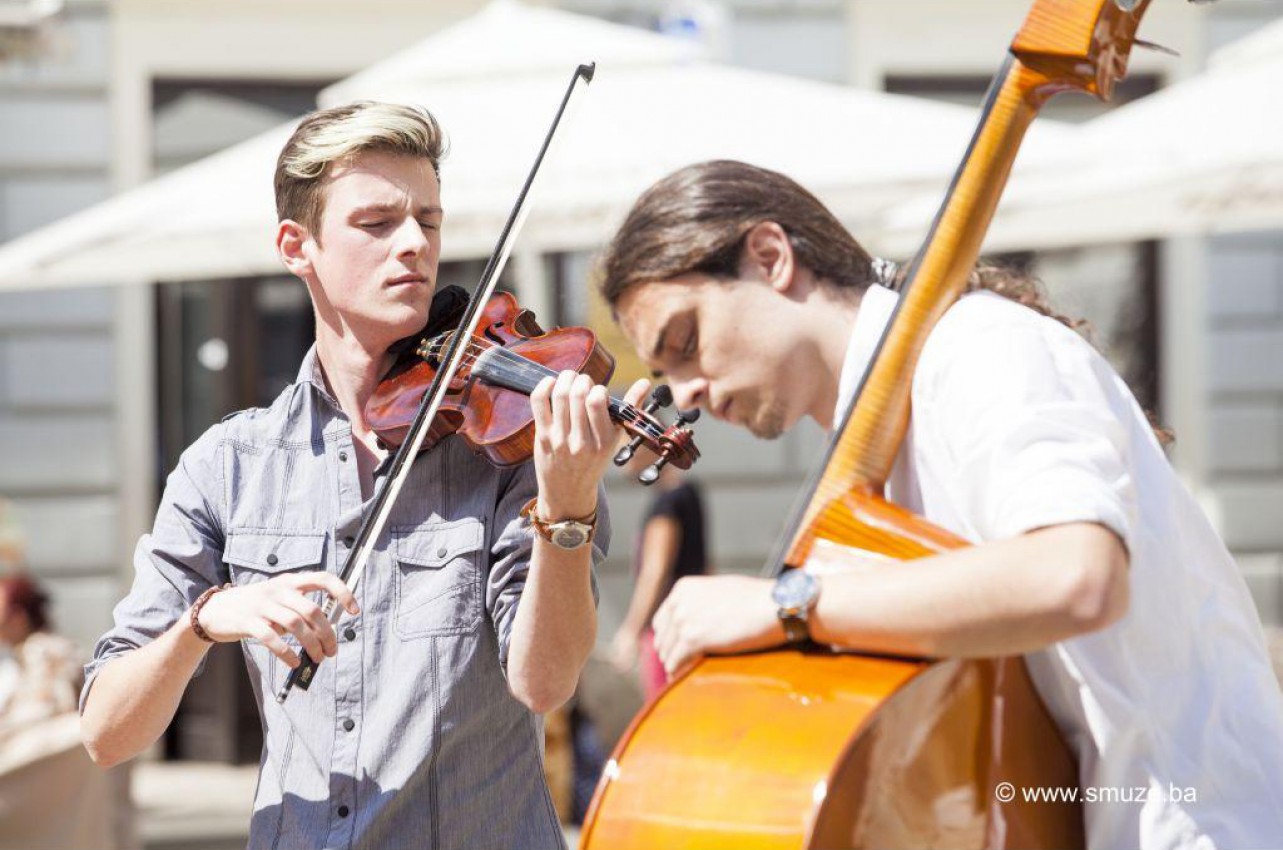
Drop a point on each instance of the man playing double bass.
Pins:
(421, 728)
(1091, 558)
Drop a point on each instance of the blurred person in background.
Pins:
(40, 672)
(670, 546)
(1090, 559)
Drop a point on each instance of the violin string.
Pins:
(534, 372)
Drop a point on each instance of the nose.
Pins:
(689, 393)
(411, 241)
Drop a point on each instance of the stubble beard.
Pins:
(768, 424)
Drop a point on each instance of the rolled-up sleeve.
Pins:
(176, 562)
(1033, 420)
(512, 547)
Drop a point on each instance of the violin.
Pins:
(486, 404)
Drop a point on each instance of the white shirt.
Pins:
(1018, 423)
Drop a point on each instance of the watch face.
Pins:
(570, 535)
(794, 590)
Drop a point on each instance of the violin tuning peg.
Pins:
(650, 474)
(661, 396)
(626, 453)
(687, 417)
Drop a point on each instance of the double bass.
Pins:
(809, 748)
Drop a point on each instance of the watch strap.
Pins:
(545, 527)
(796, 628)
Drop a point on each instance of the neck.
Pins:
(352, 370)
(833, 321)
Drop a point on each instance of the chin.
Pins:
(769, 424)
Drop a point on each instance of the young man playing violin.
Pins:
(1090, 557)
(422, 727)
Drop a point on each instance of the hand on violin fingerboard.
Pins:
(574, 441)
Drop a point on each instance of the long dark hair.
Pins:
(697, 218)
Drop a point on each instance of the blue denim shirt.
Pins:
(409, 737)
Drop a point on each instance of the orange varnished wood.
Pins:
(793, 749)
(787, 749)
(1062, 41)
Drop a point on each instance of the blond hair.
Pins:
(333, 136)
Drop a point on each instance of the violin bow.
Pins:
(376, 519)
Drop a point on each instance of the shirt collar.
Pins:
(310, 372)
(876, 306)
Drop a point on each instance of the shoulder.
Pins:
(287, 419)
(985, 337)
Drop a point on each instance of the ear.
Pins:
(291, 239)
(768, 255)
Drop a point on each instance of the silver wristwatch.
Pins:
(795, 594)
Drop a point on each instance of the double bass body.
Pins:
(816, 749)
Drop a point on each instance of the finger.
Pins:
(581, 433)
(676, 656)
(561, 405)
(275, 645)
(317, 623)
(331, 584)
(541, 407)
(659, 622)
(637, 392)
(297, 625)
(666, 637)
(600, 425)
(672, 658)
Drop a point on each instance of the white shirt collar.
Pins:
(876, 307)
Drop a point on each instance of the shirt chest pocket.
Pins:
(438, 578)
(254, 556)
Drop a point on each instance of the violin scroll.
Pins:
(675, 445)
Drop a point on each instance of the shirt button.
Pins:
(343, 811)
(348, 541)
(441, 552)
(349, 634)
(271, 560)
(348, 724)
(343, 456)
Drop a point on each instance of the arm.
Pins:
(142, 666)
(1036, 457)
(134, 697)
(555, 624)
(661, 538)
(1008, 596)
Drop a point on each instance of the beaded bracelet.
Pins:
(195, 615)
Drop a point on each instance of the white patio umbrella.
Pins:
(643, 116)
(1202, 156)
